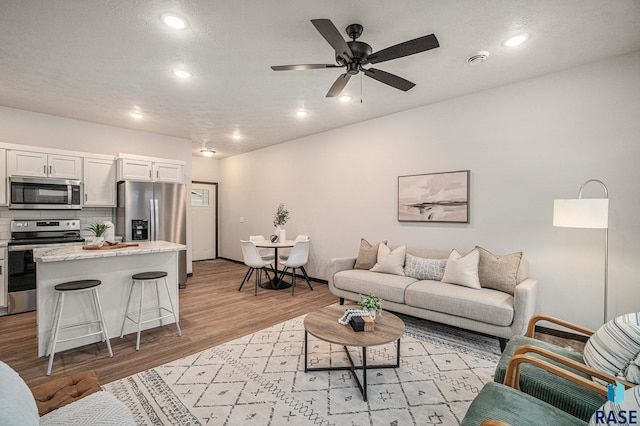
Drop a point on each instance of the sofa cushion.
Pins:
(385, 286)
(17, 406)
(462, 270)
(485, 305)
(390, 262)
(367, 254)
(65, 390)
(424, 269)
(498, 272)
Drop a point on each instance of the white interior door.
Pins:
(203, 219)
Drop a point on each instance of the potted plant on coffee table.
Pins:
(98, 229)
(372, 304)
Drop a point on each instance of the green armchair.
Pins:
(505, 404)
(579, 401)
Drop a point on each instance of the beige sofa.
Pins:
(483, 310)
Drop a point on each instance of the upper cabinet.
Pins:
(99, 180)
(38, 164)
(3, 184)
(150, 170)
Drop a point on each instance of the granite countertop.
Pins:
(76, 252)
(4, 243)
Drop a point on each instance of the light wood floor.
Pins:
(212, 312)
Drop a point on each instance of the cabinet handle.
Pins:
(44, 170)
(50, 170)
(157, 174)
(85, 198)
(149, 173)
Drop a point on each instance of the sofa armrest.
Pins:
(338, 264)
(525, 300)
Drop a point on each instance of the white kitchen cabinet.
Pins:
(149, 171)
(99, 178)
(3, 277)
(38, 164)
(130, 169)
(164, 172)
(3, 180)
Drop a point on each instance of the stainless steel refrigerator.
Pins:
(154, 211)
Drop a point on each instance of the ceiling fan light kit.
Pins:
(354, 55)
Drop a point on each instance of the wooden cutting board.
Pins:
(110, 247)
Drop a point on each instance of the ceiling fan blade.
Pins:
(388, 78)
(407, 48)
(338, 85)
(303, 67)
(330, 33)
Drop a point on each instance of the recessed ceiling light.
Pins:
(516, 40)
(182, 73)
(301, 113)
(236, 136)
(344, 98)
(174, 21)
(207, 152)
(136, 115)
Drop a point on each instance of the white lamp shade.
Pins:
(581, 213)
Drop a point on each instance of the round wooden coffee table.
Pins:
(323, 324)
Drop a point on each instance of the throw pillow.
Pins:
(498, 272)
(462, 270)
(17, 405)
(614, 346)
(610, 409)
(390, 262)
(424, 269)
(367, 254)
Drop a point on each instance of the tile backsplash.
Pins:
(87, 216)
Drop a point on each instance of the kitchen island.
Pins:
(114, 268)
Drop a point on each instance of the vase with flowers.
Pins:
(279, 219)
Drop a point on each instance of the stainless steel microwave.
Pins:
(28, 193)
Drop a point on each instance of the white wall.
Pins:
(29, 128)
(205, 169)
(525, 144)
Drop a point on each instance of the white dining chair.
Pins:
(298, 257)
(265, 253)
(285, 255)
(255, 263)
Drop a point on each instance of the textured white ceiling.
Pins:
(98, 60)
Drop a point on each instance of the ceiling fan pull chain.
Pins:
(360, 87)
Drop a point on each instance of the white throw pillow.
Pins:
(390, 262)
(611, 410)
(17, 404)
(614, 347)
(462, 270)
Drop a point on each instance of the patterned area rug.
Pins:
(259, 379)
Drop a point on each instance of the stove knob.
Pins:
(26, 225)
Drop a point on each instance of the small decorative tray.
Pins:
(110, 246)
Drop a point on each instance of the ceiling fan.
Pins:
(353, 55)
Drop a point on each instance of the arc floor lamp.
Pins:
(590, 213)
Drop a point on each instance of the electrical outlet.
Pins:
(241, 219)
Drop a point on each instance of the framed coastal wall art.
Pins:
(434, 197)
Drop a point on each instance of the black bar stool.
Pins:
(74, 287)
(142, 279)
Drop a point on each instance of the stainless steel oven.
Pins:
(25, 236)
(27, 193)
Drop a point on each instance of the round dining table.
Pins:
(274, 283)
